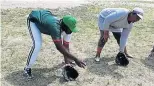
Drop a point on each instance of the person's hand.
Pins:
(106, 35)
(128, 56)
(80, 63)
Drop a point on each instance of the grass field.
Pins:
(16, 44)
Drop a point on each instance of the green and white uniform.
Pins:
(43, 21)
(46, 23)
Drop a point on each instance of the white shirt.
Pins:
(66, 37)
(115, 20)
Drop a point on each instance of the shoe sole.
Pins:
(97, 61)
(27, 76)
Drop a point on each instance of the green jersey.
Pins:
(46, 23)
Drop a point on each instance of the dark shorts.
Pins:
(117, 36)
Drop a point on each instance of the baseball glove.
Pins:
(121, 59)
(69, 73)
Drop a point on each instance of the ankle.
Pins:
(97, 55)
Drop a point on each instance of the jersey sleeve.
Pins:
(66, 37)
(55, 32)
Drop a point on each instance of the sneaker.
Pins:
(97, 59)
(27, 73)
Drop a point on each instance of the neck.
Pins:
(128, 18)
(61, 25)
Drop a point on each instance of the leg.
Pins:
(117, 36)
(100, 46)
(101, 41)
(37, 42)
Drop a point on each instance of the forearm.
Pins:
(64, 51)
(122, 44)
(106, 32)
(66, 45)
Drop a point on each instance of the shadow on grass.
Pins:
(148, 62)
(106, 67)
(42, 77)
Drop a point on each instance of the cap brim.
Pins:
(140, 16)
(75, 30)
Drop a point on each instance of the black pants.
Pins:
(117, 36)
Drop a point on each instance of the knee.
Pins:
(37, 44)
(101, 42)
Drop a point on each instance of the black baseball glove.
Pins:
(121, 59)
(69, 73)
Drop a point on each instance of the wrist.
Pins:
(73, 57)
(121, 52)
(106, 31)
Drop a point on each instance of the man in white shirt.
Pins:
(119, 21)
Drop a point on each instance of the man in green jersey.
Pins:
(60, 30)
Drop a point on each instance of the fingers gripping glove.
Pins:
(121, 59)
(69, 73)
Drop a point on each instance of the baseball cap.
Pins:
(70, 21)
(139, 12)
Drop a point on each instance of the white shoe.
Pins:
(97, 59)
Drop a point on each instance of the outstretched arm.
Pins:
(66, 53)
